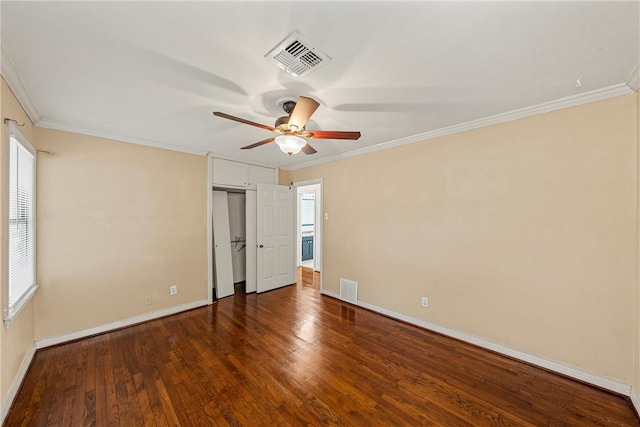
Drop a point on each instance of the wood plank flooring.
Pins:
(308, 277)
(291, 357)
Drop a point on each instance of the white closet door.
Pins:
(275, 237)
(222, 245)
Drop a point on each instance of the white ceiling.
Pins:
(153, 72)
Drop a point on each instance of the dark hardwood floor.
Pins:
(308, 277)
(291, 357)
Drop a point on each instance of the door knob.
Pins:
(261, 246)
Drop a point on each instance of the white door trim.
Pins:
(251, 208)
(319, 225)
(210, 228)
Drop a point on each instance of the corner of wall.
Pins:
(634, 80)
(635, 401)
(17, 342)
(16, 383)
(284, 177)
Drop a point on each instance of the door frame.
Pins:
(210, 228)
(318, 226)
(299, 221)
(209, 189)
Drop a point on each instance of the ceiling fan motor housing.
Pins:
(288, 106)
(282, 123)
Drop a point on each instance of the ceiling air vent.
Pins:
(297, 56)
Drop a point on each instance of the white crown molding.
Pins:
(634, 79)
(560, 368)
(16, 383)
(10, 74)
(50, 124)
(558, 104)
(48, 342)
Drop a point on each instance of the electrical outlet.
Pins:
(425, 302)
(147, 300)
(173, 289)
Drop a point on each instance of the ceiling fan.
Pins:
(291, 128)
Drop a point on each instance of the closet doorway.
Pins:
(253, 239)
(234, 246)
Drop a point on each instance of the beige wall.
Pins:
(116, 222)
(284, 177)
(17, 339)
(522, 233)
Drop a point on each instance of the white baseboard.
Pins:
(635, 400)
(17, 381)
(330, 294)
(47, 342)
(569, 371)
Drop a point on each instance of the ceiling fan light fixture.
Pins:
(290, 144)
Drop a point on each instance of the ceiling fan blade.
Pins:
(246, 122)
(305, 107)
(334, 134)
(308, 149)
(257, 144)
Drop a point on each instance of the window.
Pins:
(21, 223)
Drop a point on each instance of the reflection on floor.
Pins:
(240, 288)
(308, 277)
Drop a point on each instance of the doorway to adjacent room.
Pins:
(309, 232)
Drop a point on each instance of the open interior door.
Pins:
(275, 237)
(222, 246)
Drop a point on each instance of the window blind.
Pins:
(21, 280)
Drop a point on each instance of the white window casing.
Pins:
(20, 223)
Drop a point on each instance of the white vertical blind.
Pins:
(21, 215)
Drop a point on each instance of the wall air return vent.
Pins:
(297, 56)
(349, 291)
